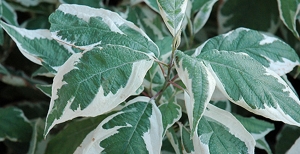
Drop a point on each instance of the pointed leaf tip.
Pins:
(142, 133)
(96, 81)
(200, 85)
(172, 12)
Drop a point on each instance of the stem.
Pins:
(175, 44)
(160, 62)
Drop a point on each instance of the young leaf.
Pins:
(252, 86)
(254, 14)
(289, 10)
(220, 132)
(14, 126)
(39, 47)
(79, 29)
(135, 129)
(170, 110)
(172, 12)
(75, 131)
(149, 21)
(205, 7)
(200, 85)
(265, 48)
(96, 81)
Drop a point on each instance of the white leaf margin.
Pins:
(32, 34)
(173, 30)
(280, 67)
(179, 111)
(112, 19)
(173, 138)
(233, 125)
(295, 14)
(203, 15)
(153, 143)
(183, 74)
(276, 114)
(108, 102)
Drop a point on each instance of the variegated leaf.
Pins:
(170, 110)
(250, 85)
(204, 7)
(172, 12)
(265, 48)
(75, 131)
(39, 47)
(220, 132)
(9, 14)
(149, 21)
(96, 81)
(200, 85)
(46, 89)
(174, 140)
(186, 141)
(152, 4)
(258, 129)
(254, 14)
(14, 126)
(42, 71)
(289, 11)
(87, 27)
(137, 128)
(264, 145)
